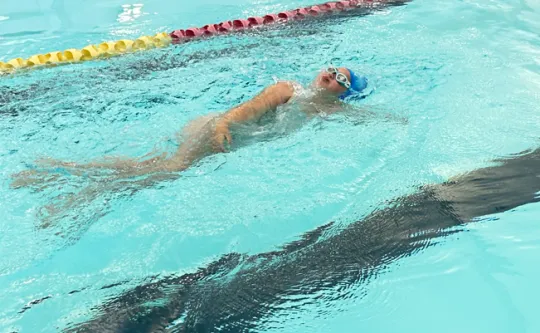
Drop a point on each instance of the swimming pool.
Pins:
(464, 75)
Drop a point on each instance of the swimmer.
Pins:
(201, 137)
(211, 134)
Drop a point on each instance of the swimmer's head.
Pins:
(340, 82)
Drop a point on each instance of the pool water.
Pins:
(454, 86)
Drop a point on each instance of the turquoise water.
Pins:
(464, 75)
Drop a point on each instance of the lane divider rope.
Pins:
(163, 39)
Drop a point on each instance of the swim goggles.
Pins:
(340, 77)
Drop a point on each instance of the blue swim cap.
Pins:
(358, 83)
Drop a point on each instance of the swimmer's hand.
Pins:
(221, 134)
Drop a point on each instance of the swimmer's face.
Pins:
(327, 81)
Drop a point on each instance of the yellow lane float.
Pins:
(90, 52)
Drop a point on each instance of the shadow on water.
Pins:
(236, 292)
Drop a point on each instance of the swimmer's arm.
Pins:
(269, 99)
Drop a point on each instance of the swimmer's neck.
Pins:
(321, 96)
(319, 102)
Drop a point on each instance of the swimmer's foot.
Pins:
(46, 213)
(33, 178)
(66, 205)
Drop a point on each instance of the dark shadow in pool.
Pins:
(236, 292)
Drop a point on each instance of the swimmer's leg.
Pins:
(123, 183)
(196, 145)
(104, 189)
(41, 178)
(128, 177)
(112, 163)
(50, 171)
(196, 139)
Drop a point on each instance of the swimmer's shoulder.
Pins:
(285, 90)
